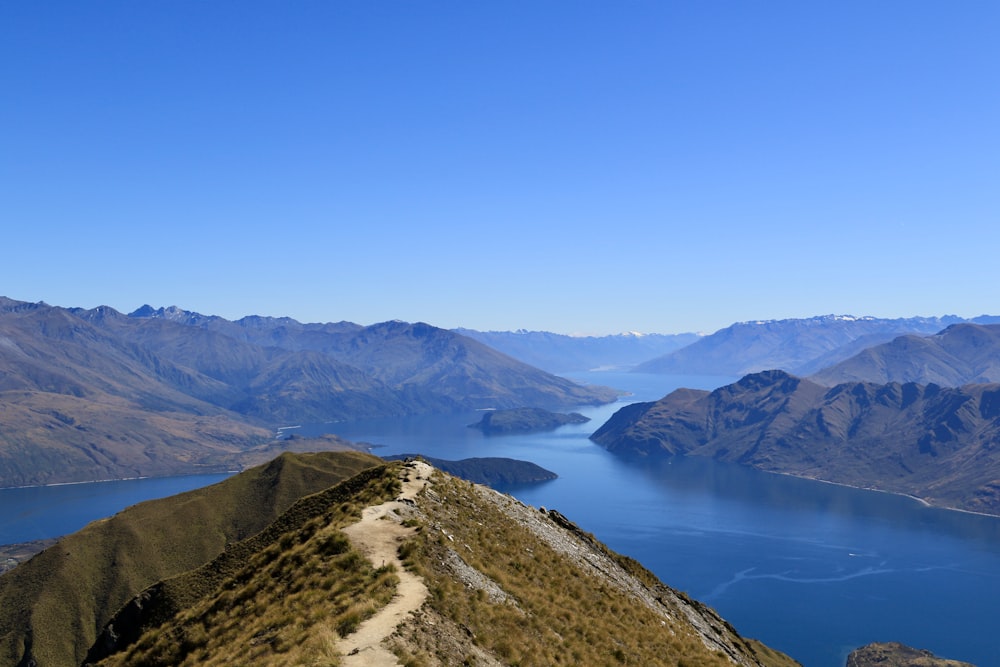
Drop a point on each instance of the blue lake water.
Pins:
(812, 569)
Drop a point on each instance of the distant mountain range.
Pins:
(95, 394)
(961, 354)
(935, 443)
(800, 346)
(558, 353)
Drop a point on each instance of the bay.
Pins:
(812, 569)
(43, 512)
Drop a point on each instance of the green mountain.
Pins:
(935, 443)
(398, 564)
(95, 394)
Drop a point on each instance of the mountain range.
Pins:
(799, 346)
(338, 558)
(96, 394)
(559, 353)
(932, 442)
(960, 354)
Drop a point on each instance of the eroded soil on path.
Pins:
(378, 536)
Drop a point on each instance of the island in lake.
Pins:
(525, 420)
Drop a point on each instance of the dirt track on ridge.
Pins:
(378, 536)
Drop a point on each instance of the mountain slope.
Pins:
(54, 605)
(793, 345)
(927, 441)
(961, 354)
(506, 584)
(106, 396)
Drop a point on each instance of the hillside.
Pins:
(54, 605)
(961, 354)
(799, 346)
(931, 442)
(95, 394)
(558, 353)
(400, 563)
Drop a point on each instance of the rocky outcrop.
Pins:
(893, 654)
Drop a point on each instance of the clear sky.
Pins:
(571, 166)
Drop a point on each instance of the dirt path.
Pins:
(378, 536)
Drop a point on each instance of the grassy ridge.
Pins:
(61, 598)
(556, 612)
(263, 596)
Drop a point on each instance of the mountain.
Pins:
(95, 394)
(935, 443)
(961, 354)
(558, 353)
(799, 346)
(398, 564)
(424, 368)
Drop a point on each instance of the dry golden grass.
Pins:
(560, 614)
(289, 597)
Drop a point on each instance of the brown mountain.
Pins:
(935, 443)
(961, 354)
(94, 394)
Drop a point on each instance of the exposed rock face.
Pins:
(897, 655)
(936, 443)
(525, 420)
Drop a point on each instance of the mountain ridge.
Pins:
(931, 442)
(109, 396)
(798, 345)
(963, 353)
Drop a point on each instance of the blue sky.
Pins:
(578, 167)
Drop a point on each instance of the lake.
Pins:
(812, 569)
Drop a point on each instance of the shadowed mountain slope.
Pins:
(54, 605)
(961, 354)
(936, 443)
(507, 584)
